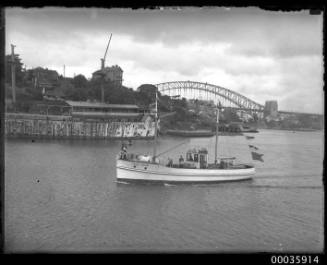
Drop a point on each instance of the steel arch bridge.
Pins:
(179, 87)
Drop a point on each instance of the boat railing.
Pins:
(140, 158)
(227, 158)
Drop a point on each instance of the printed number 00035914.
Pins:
(294, 259)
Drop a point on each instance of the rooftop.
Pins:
(105, 114)
(86, 104)
(108, 69)
(197, 150)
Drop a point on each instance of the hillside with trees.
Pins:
(42, 85)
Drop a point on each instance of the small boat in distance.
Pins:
(195, 169)
(240, 127)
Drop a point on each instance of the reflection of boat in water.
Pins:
(195, 168)
(195, 133)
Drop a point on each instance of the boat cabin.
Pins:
(196, 158)
(226, 162)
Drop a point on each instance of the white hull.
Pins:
(142, 171)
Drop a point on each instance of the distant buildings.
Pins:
(104, 111)
(113, 74)
(271, 109)
(43, 78)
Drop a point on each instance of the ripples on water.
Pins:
(63, 196)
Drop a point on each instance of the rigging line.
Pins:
(172, 148)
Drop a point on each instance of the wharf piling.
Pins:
(66, 127)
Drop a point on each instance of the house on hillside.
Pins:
(43, 78)
(113, 74)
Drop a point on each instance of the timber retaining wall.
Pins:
(17, 125)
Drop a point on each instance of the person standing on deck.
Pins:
(124, 151)
(181, 161)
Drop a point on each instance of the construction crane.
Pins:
(103, 60)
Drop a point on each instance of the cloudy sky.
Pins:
(261, 54)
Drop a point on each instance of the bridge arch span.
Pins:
(231, 96)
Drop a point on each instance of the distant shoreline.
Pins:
(294, 130)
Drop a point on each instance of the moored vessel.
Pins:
(189, 133)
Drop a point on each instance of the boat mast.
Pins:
(217, 122)
(155, 128)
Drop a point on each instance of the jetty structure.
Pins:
(78, 119)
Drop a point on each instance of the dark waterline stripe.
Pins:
(178, 182)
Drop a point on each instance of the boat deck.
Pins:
(189, 166)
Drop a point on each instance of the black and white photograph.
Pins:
(164, 130)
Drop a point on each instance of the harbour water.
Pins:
(62, 195)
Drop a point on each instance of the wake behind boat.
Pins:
(196, 167)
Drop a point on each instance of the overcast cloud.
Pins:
(261, 54)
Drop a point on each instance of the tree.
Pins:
(119, 94)
(304, 121)
(146, 94)
(80, 81)
(148, 89)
